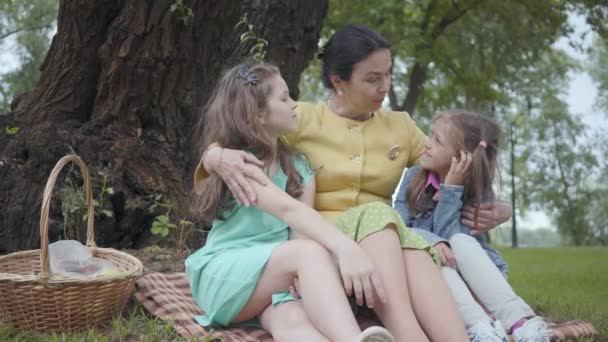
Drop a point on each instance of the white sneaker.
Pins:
(533, 330)
(487, 332)
(500, 330)
(375, 334)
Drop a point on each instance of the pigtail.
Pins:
(480, 180)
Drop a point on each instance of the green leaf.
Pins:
(107, 212)
(155, 229)
(10, 130)
(164, 219)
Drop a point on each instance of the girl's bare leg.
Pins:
(289, 322)
(397, 314)
(431, 299)
(323, 295)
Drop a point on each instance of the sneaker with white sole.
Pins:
(487, 332)
(375, 334)
(533, 330)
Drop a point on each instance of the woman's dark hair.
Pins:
(347, 47)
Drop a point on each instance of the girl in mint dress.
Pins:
(248, 258)
(224, 273)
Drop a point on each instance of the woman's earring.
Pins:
(339, 93)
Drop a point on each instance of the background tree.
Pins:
(455, 53)
(598, 70)
(121, 85)
(557, 167)
(25, 28)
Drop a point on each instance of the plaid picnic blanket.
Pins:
(168, 296)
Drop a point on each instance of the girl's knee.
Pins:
(462, 239)
(309, 250)
(463, 242)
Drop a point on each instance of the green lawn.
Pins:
(563, 283)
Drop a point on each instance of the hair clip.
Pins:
(483, 143)
(248, 77)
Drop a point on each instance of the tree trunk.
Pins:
(415, 87)
(121, 86)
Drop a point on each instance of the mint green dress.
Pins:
(224, 273)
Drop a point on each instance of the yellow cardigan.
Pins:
(355, 162)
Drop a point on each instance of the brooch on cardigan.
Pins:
(393, 152)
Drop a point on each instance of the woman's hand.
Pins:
(491, 214)
(445, 252)
(459, 169)
(359, 274)
(236, 168)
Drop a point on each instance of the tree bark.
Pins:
(122, 85)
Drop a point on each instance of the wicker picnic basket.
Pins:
(32, 298)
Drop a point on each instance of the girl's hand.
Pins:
(491, 215)
(459, 169)
(445, 252)
(236, 168)
(359, 274)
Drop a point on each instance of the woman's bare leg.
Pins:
(384, 249)
(324, 300)
(431, 298)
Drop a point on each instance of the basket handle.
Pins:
(44, 211)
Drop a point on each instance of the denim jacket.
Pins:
(443, 221)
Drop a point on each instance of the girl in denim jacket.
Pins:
(458, 166)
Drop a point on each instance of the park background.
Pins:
(120, 83)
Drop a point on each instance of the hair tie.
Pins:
(483, 143)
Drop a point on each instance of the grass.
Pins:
(561, 283)
(134, 325)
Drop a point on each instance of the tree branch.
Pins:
(22, 29)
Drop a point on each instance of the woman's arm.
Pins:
(236, 168)
(491, 215)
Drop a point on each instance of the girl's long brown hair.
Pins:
(230, 119)
(469, 130)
